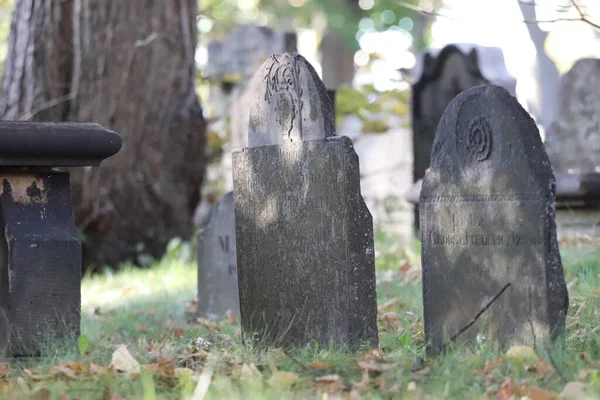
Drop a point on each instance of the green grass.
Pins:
(146, 310)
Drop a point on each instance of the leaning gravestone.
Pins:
(217, 263)
(304, 234)
(442, 76)
(40, 269)
(491, 265)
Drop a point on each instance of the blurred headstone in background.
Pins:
(217, 263)
(573, 145)
(441, 76)
(230, 66)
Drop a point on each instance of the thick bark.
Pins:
(128, 65)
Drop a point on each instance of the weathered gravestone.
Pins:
(573, 139)
(231, 64)
(573, 145)
(40, 265)
(217, 263)
(442, 76)
(304, 234)
(491, 265)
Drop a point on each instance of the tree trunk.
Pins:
(128, 65)
(547, 77)
(337, 61)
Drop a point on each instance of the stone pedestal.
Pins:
(40, 251)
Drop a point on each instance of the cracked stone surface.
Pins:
(305, 252)
(491, 265)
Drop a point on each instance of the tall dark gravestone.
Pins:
(217, 263)
(491, 265)
(304, 235)
(40, 265)
(443, 76)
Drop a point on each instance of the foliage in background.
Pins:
(341, 16)
(371, 106)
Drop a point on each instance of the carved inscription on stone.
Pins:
(488, 224)
(505, 240)
(491, 266)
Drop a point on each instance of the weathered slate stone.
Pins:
(491, 265)
(217, 263)
(573, 140)
(40, 256)
(444, 75)
(304, 234)
(244, 50)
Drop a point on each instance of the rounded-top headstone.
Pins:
(487, 143)
(573, 140)
(491, 264)
(290, 103)
(49, 144)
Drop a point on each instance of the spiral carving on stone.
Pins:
(477, 140)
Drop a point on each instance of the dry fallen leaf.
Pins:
(4, 370)
(123, 361)
(283, 380)
(521, 353)
(329, 379)
(96, 369)
(370, 366)
(412, 386)
(576, 391)
(321, 365)
(69, 370)
(508, 391)
(249, 372)
(164, 369)
(491, 366)
(191, 307)
(541, 394)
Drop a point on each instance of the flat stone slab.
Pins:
(217, 263)
(48, 144)
(491, 265)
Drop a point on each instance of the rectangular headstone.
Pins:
(217, 263)
(304, 234)
(491, 265)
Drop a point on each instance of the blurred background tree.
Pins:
(128, 65)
